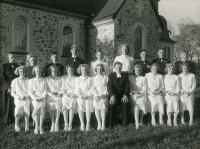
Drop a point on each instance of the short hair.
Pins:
(99, 51)
(169, 65)
(124, 45)
(185, 64)
(51, 68)
(21, 67)
(184, 51)
(102, 66)
(117, 63)
(137, 66)
(34, 68)
(10, 54)
(69, 67)
(74, 46)
(83, 65)
(154, 64)
(160, 49)
(54, 53)
(143, 50)
(29, 56)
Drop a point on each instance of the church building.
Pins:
(44, 26)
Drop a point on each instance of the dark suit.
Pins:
(75, 63)
(162, 64)
(59, 66)
(118, 87)
(8, 101)
(178, 69)
(145, 66)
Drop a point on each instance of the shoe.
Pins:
(56, 128)
(136, 126)
(17, 129)
(169, 123)
(161, 122)
(88, 128)
(52, 129)
(140, 124)
(191, 124)
(66, 128)
(99, 127)
(82, 128)
(70, 128)
(183, 122)
(153, 123)
(41, 131)
(175, 124)
(36, 131)
(27, 129)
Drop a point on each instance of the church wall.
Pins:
(133, 14)
(44, 32)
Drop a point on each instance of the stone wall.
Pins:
(45, 32)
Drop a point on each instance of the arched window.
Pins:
(67, 41)
(20, 35)
(137, 42)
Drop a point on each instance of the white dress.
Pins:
(138, 84)
(99, 89)
(68, 86)
(155, 102)
(19, 88)
(188, 84)
(92, 71)
(172, 85)
(127, 62)
(83, 86)
(37, 89)
(53, 85)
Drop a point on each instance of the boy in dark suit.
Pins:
(74, 61)
(118, 90)
(8, 101)
(161, 61)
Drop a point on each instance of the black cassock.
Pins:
(74, 63)
(118, 87)
(8, 76)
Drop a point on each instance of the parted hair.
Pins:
(37, 67)
(21, 67)
(185, 64)
(124, 45)
(68, 67)
(102, 67)
(154, 64)
(54, 53)
(74, 46)
(83, 65)
(137, 66)
(169, 65)
(51, 68)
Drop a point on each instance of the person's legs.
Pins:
(42, 113)
(57, 117)
(6, 103)
(98, 117)
(17, 124)
(112, 114)
(175, 119)
(65, 114)
(81, 117)
(26, 117)
(141, 115)
(52, 121)
(71, 117)
(36, 124)
(103, 118)
(182, 117)
(169, 122)
(153, 120)
(11, 110)
(124, 112)
(137, 118)
(88, 116)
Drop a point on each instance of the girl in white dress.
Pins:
(21, 98)
(100, 96)
(83, 88)
(138, 88)
(126, 60)
(172, 89)
(37, 89)
(155, 87)
(188, 85)
(99, 55)
(54, 97)
(69, 99)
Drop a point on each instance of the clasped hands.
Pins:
(183, 92)
(23, 98)
(101, 97)
(55, 94)
(113, 99)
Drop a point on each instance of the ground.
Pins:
(147, 136)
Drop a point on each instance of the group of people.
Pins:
(147, 86)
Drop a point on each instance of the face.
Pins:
(38, 71)
(99, 70)
(22, 72)
(161, 53)
(137, 71)
(185, 69)
(118, 68)
(73, 51)
(99, 55)
(54, 58)
(32, 61)
(124, 50)
(170, 69)
(154, 69)
(70, 71)
(183, 55)
(143, 55)
(83, 71)
(53, 72)
(11, 58)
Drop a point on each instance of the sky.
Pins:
(174, 10)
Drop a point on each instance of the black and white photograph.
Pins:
(100, 74)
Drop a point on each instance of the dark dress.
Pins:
(162, 62)
(118, 87)
(8, 76)
(145, 66)
(178, 69)
(74, 63)
(59, 66)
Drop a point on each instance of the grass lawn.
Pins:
(159, 137)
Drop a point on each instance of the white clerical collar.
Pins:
(118, 75)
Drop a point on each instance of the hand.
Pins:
(9, 90)
(22, 98)
(112, 100)
(124, 99)
(84, 97)
(73, 96)
(39, 100)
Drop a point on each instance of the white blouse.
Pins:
(68, 84)
(138, 84)
(188, 82)
(83, 86)
(19, 87)
(100, 85)
(126, 60)
(171, 83)
(53, 84)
